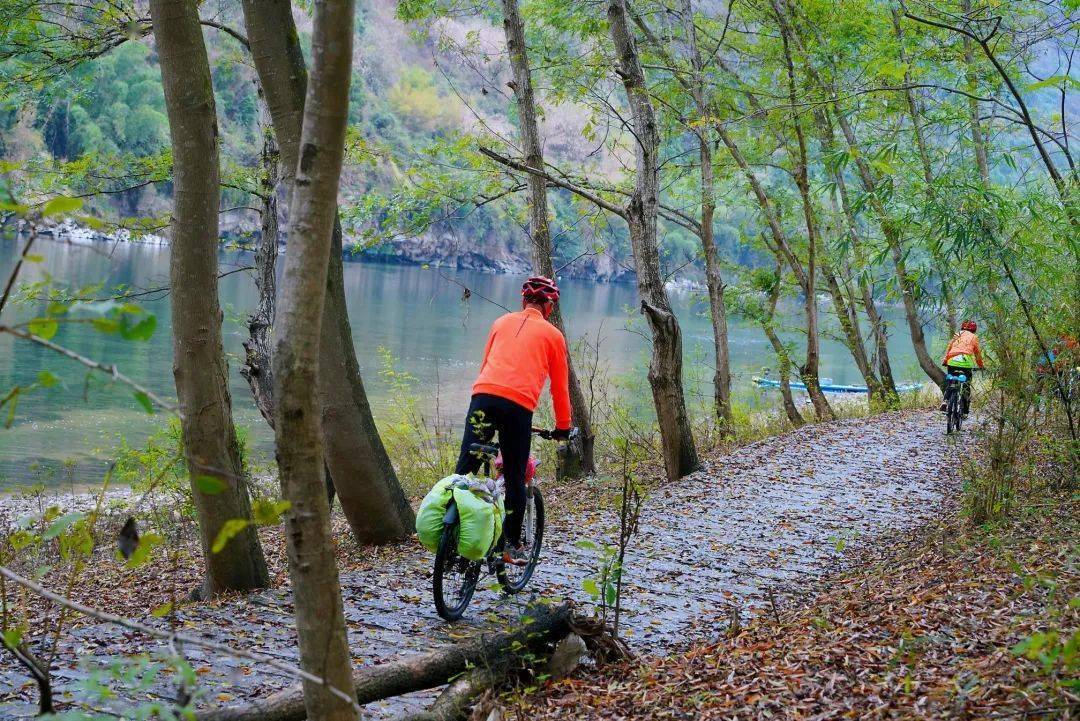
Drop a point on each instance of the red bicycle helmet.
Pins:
(969, 325)
(540, 289)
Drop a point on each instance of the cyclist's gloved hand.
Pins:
(561, 434)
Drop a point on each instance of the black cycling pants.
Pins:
(487, 416)
(965, 389)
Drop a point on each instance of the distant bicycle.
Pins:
(455, 578)
(957, 400)
(954, 402)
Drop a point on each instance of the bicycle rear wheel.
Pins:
(455, 577)
(514, 578)
(953, 413)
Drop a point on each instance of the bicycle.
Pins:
(455, 578)
(956, 405)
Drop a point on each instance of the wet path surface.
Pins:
(763, 521)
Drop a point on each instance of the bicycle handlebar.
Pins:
(549, 435)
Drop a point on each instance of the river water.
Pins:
(412, 314)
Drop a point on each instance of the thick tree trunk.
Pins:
(665, 367)
(320, 620)
(367, 487)
(370, 494)
(199, 365)
(497, 651)
(581, 450)
(713, 280)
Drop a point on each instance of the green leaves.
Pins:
(267, 512)
(209, 485)
(140, 331)
(61, 205)
(147, 543)
(47, 379)
(228, 531)
(144, 400)
(1063, 82)
(43, 327)
(61, 524)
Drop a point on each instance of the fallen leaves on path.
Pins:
(928, 631)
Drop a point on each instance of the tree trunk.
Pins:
(367, 487)
(320, 620)
(810, 371)
(940, 263)
(547, 624)
(978, 136)
(713, 280)
(877, 323)
(890, 229)
(891, 232)
(199, 365)
(360, 468)
(665, 367)
(258, 348)
(852, 335)
(782, 356)
(581, 450)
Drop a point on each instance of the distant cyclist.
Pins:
(523, 351)
(962, 357)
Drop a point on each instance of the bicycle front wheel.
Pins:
(455, 577)
(514, 578)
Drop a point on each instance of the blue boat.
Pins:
(827, 386)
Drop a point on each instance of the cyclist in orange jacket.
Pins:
(962, 357)
(523, 351)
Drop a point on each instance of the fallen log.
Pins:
(487, 657)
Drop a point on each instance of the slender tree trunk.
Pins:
(713, 279)
(889, 227)
(199, 365)
(918, 132)
(810, 371)
(367, 486)
(782, 357)
(320, 621)
(257, 369)
(891, 231)
(665, 367)
(978, 137)
(582, 454)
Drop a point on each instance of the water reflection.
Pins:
(417, 314)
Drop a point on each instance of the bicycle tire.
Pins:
(952, 413)
(516, 586)
(445, 556)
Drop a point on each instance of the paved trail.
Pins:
(769, 518)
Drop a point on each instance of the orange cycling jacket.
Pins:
(964, 343)
(524, 350)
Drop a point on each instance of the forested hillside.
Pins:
(93, 114)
